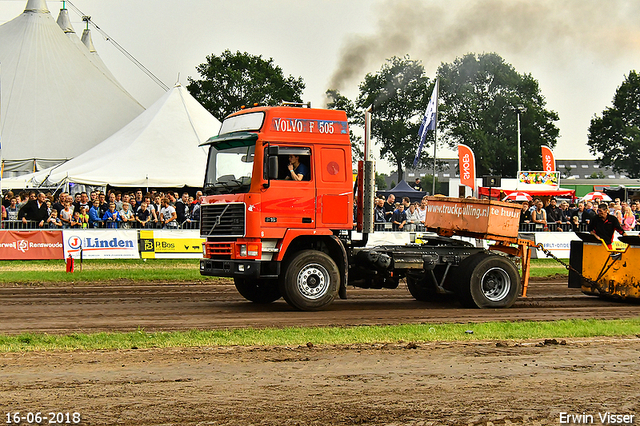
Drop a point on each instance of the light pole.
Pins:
(519, 109)
(519, 157)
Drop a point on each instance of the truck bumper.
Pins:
(239, 268)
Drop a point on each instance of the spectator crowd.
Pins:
(564, 216)
(115, 209)
(535, 216)
(403, 215)
(124, 210)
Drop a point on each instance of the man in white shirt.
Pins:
(168, 216)
(422, 210)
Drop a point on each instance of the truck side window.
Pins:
(298, 167)
(294, 163)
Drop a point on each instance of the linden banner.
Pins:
(101, 243)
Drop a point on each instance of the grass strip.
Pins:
(101, 271)
(140, 339)
(176, 270)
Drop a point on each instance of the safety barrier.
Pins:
(32, 225)
(100, 244)
(378, 227)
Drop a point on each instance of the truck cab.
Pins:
(258, 220)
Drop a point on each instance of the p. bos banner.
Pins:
(467, 164)
(101, 244)
(163, 244)
(31, 245)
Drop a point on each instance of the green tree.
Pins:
(615, 137)
(338, 101)
(381, 182)
(399, 93)
(427, 184)
(233, 80)
(567, 171)
(480, 97)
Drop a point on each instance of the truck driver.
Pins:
(297, 170)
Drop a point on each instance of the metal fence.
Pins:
(18, 225)
(379, 227)
(524, 227)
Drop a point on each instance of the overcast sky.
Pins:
(578, 50)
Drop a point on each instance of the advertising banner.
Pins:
(538, 181)
(171, 244)
(472, 217)
(558, 243)
(101, 243)
(31, 245)
(548, 161)
(467, 164)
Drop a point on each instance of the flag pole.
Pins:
(435, 143)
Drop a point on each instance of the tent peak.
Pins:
(64, 22)
(37, 6)
(86, 39)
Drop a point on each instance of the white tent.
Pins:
(56, 102)
(85, 44)
(157, 149)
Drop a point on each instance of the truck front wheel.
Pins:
(258, 291)
(310, 280)
(488, 281)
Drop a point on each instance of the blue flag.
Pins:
(428, 121)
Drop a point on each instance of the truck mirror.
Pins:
(273, 166)
(273, 150)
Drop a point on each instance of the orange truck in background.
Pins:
(277, 236)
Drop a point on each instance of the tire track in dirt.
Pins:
(125, 306)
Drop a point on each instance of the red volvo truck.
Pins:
(278, 236)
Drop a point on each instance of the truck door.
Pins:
(291, 203)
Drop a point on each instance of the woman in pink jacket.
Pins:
(628, 220)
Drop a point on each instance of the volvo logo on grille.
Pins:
(223, 219)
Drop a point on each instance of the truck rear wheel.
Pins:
(424, 289)
(258, 291)
(310, 280)
(487, 281)
(417, 286)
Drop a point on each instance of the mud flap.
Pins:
(342, 291)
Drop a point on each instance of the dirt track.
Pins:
(123, 306)
(481, 383)
(433, 384)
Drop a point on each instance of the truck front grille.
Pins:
(222, 220)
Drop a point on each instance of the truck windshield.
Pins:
(229, 167)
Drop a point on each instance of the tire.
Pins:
(424, 291)
(310, 280)
(258, 291)
(418, 288)
(487, 281)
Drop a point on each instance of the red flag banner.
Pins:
(548, 162)
(30, 245)
(467, 163)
